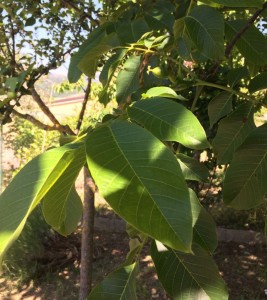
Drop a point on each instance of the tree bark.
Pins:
(87, 236)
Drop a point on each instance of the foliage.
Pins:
(132, 154)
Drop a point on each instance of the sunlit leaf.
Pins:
(162, 91)
(142, 181)
(238, 3)
(245, 181)
(169, 121)
(28, 188)
(62, 206)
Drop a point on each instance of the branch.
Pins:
(250, 22)
(82, 13)
(48, 113)
(34, 121)
(85, 100)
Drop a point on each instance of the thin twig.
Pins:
(244, 29)
(82, 13)
(85, 100)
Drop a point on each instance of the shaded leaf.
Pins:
(235, 75)
(128, 79)
(193, 169)
(258, 83)
(30, 21)
(188, 276)
(169, 121)
(205, 26)
(252, 44)
(131, 31)
(162, 91)
(220, 106)
(245, 181)
(232, 132)
(142, 181)
(62, 206)
(27, 189)
(238, 3)
(118, 285)
(86, 59)
(204, 230)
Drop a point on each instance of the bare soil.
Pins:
(244, 268)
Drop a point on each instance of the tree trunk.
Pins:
(87, 236)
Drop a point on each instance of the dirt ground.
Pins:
(244, 268)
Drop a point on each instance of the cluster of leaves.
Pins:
(165, 57)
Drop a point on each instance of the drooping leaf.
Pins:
(142, 181)
(192, 169)
(238, 3)
(118, 285)
(162, 91)
(205, 26)
(111, 66)
(252, 44)
(27, 189)
(232, 132)
(245, 181)
(204, 230)
(86, 59)
(235, 75)
(62, 206)
(219, 106)
(188, 276)
(169, 121)
(128, 79)
(258, 83)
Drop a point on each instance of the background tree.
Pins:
(174, 64)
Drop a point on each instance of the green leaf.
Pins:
(11, 83)
(142, 181)
(118, 285)
(86, 59)
(188, 276)
(235, 75)
(232, 132)
(219, 106)
(128, 79)
(62, 206)
(27, 189)
(258, 83)
(204, 230)
(30, 21)
(160, 15)
(111, 66)
(192, 169)
(245, 181)
(162, 91)
(252, 44)
(238, 3)
(205, 26)
(131, 31)
(169, 121)
(265, 230)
